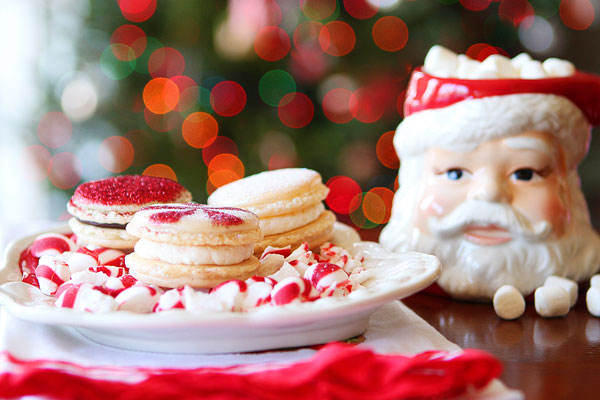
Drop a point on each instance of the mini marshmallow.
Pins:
(466, 67)
(231, 294)
(170, 300)
(51, 244)
(552, 301)
(138, 299)
(500, 66)
(285, 271)
(592, 298)
(595, 281)
(441, 62)
(567, 284)
(508, 302)
(51, 273)
(556, 67)
(519, 60)
(533, 70)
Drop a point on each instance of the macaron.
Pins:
(289, 203)
(193, 244)
(101, 209)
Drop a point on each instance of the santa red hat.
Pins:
(451, 112)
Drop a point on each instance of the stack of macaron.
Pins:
(289, 203)
(193, 244)
(101, 209)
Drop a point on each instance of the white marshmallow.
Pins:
(138, 299)
(595, 281)
(592, 298)
(508, 302)
(466, 67)
(519, 60)
(552, 301)
(500, 66)
(557, 67)
(567, 284)
(533, 70)
(441, 62)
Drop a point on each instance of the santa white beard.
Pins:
(472, 271)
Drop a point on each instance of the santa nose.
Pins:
(491, 187)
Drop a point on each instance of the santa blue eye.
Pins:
(524, 174)
(455, 174)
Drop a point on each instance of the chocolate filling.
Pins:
(99, 225)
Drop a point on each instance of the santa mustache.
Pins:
(482, 213)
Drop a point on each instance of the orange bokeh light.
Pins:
(116, 154)
(386, 152)
(390, 33)
(226, 161)
(377, 205)
(337, 38)
(577, 14)
(161, 95)
(161, 171)
(220, 178)
(199, 129)
(318, 9)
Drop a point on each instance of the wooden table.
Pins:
(546, 358)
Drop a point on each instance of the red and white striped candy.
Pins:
(170, 300)
(111, 257)
(258, 291)
(51, 273)
(51, 244)
(114, 286)
(85, 258)
(326, 275)
(282, 251)
(109, 270)
(138, 299)
(231, 293)
(292, 289)
(85, 297)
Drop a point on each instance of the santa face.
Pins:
(506, 189)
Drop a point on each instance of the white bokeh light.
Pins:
(79, 99)
(536, 34)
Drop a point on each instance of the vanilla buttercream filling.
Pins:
(193, 255)
(288, 222)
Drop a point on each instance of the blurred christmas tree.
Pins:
(207, 92)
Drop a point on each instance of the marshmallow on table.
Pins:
(556, 67)
(552, 301)
(569, 285)
(595, 281)
(509, 302)
(592, 297)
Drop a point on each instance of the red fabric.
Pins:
(426, 91)
(337, 371)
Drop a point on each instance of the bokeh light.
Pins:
(515, 11)
(337, 38)
(223, 169)
(113, 67)
(227, 98)
(336, 105)
(577, 14)
(64, 170)
(536, 34)
(475, 5)
(79, 99)
(152, 44)
(344, 194)
(274, 85)
(309, 64)
(295, 110)
(318, 9)
(54, 129)
(188, 92)
(130, 37)
(365, 107)
(220, 178)
(116, 154)
(306, 34)
(390, 33)
(161, 95)
(199, 129)
(204, 99)
(35, 162)
(377, 205)
(144, 145)
(360, 9)
(160, 171)
(277, 150)
(220, 145)
(162, 122)
(386, 154)
(137, 10)
(481, 51)
(271, 43)
(358, 160)
(166, 62)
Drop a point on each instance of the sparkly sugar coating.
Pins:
(129, 189)
(172, 213)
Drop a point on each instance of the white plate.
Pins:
(395, 276)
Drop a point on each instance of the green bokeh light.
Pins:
(274, 85)
(114, 68)
(152, 44)
(204, 99)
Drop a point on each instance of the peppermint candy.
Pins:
(51, 244)
(138, 299)
(51, 272)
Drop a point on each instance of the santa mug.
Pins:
(488, 176)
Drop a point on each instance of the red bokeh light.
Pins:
(166, 62)
(475, 5)
(577, 14)
(220, 145)
(116, 154)
(188, 92)
(390, 33)
(228, 98)
(344, 194)
(377, 205)
(309, 64)
(35, 162)
(132, 40)
(360, 9)
(365, 107)
(306, 34)
(515, 11)
(272, 43)
(54, 129)
(64, 170)
(318, 9)
(162, 122)
(400, 103)
(295, 110)
(481, 51)
(336, 105)
(337, 38)
(386, 154)
(137, 10)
